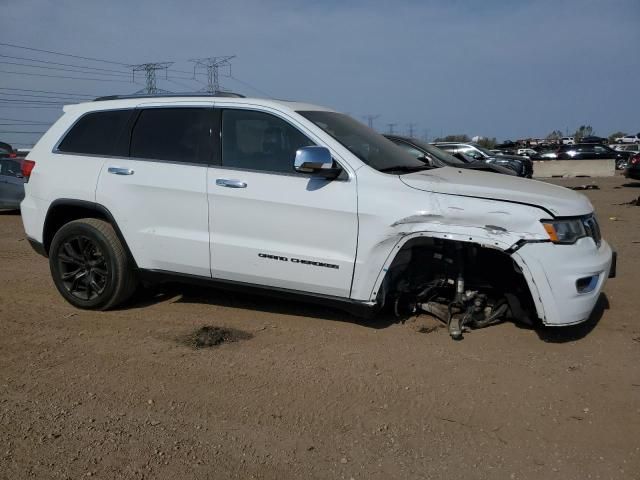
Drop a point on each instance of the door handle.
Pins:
(223, 182)
(120, 171)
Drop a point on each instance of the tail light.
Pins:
(13, 155)
(27, 168)
(635, 159)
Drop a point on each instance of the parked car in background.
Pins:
(567, 141)
(522, 165)
(11, 183)
(633, 148)
(7, 151)
(632, 168)
(629, 139)
(436, 157)
(506, 144)
(592, 151)
(527, 152)
(546, 152)
(593, 139)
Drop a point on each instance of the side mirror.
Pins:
(316, 161)
(423, 158)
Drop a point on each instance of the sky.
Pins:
(495, 68)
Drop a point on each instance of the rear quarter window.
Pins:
(179, 134)
(95, 133)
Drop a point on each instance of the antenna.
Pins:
(212, 65)
(150, 70)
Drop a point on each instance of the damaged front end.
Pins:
(481, 249)
(463, 284)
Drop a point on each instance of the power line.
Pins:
(391, 126)
(47, 91)
(55, 97)
(18, 102)
(24, 121)
(27, 133)
(63, 64)
(67, 77)
(62, 54)
(22, 100)
(180, 84)
(64, 69)
(37, 106)
(262, 92)
(23, 124)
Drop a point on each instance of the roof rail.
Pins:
(168, 95)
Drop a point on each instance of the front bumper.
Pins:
(565, 280)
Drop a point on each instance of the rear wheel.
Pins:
(89, 265)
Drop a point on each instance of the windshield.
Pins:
(484, 150)
(440, 154)
(365, 143)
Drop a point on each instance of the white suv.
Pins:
(298, 199)
(628, 139)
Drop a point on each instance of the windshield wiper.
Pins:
(405, 168)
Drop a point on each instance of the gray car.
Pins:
(523, 166)
(11, 183)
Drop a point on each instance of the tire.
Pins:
(89, 265)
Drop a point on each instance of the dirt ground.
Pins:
(314, 393)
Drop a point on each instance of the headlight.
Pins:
(565, 231)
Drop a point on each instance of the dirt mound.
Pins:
(209, 336)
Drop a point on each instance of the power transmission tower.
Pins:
(370, 118)
(391, 126)
(212, 65)
(150, 70)
(411, 128)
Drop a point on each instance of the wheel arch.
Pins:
(65, 210)
(505, 247)
(482, 242)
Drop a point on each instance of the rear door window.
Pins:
(173, 134)
(95, 133)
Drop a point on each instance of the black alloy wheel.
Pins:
(82, 268)
(90, 265)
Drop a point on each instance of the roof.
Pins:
(166, 95)
(132, 101)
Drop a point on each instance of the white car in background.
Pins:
(628, 139)
(628, 148)
(568, 141)
(526, 152)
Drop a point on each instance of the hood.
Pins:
(510, 157)
(560, 201)
(488, 167)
